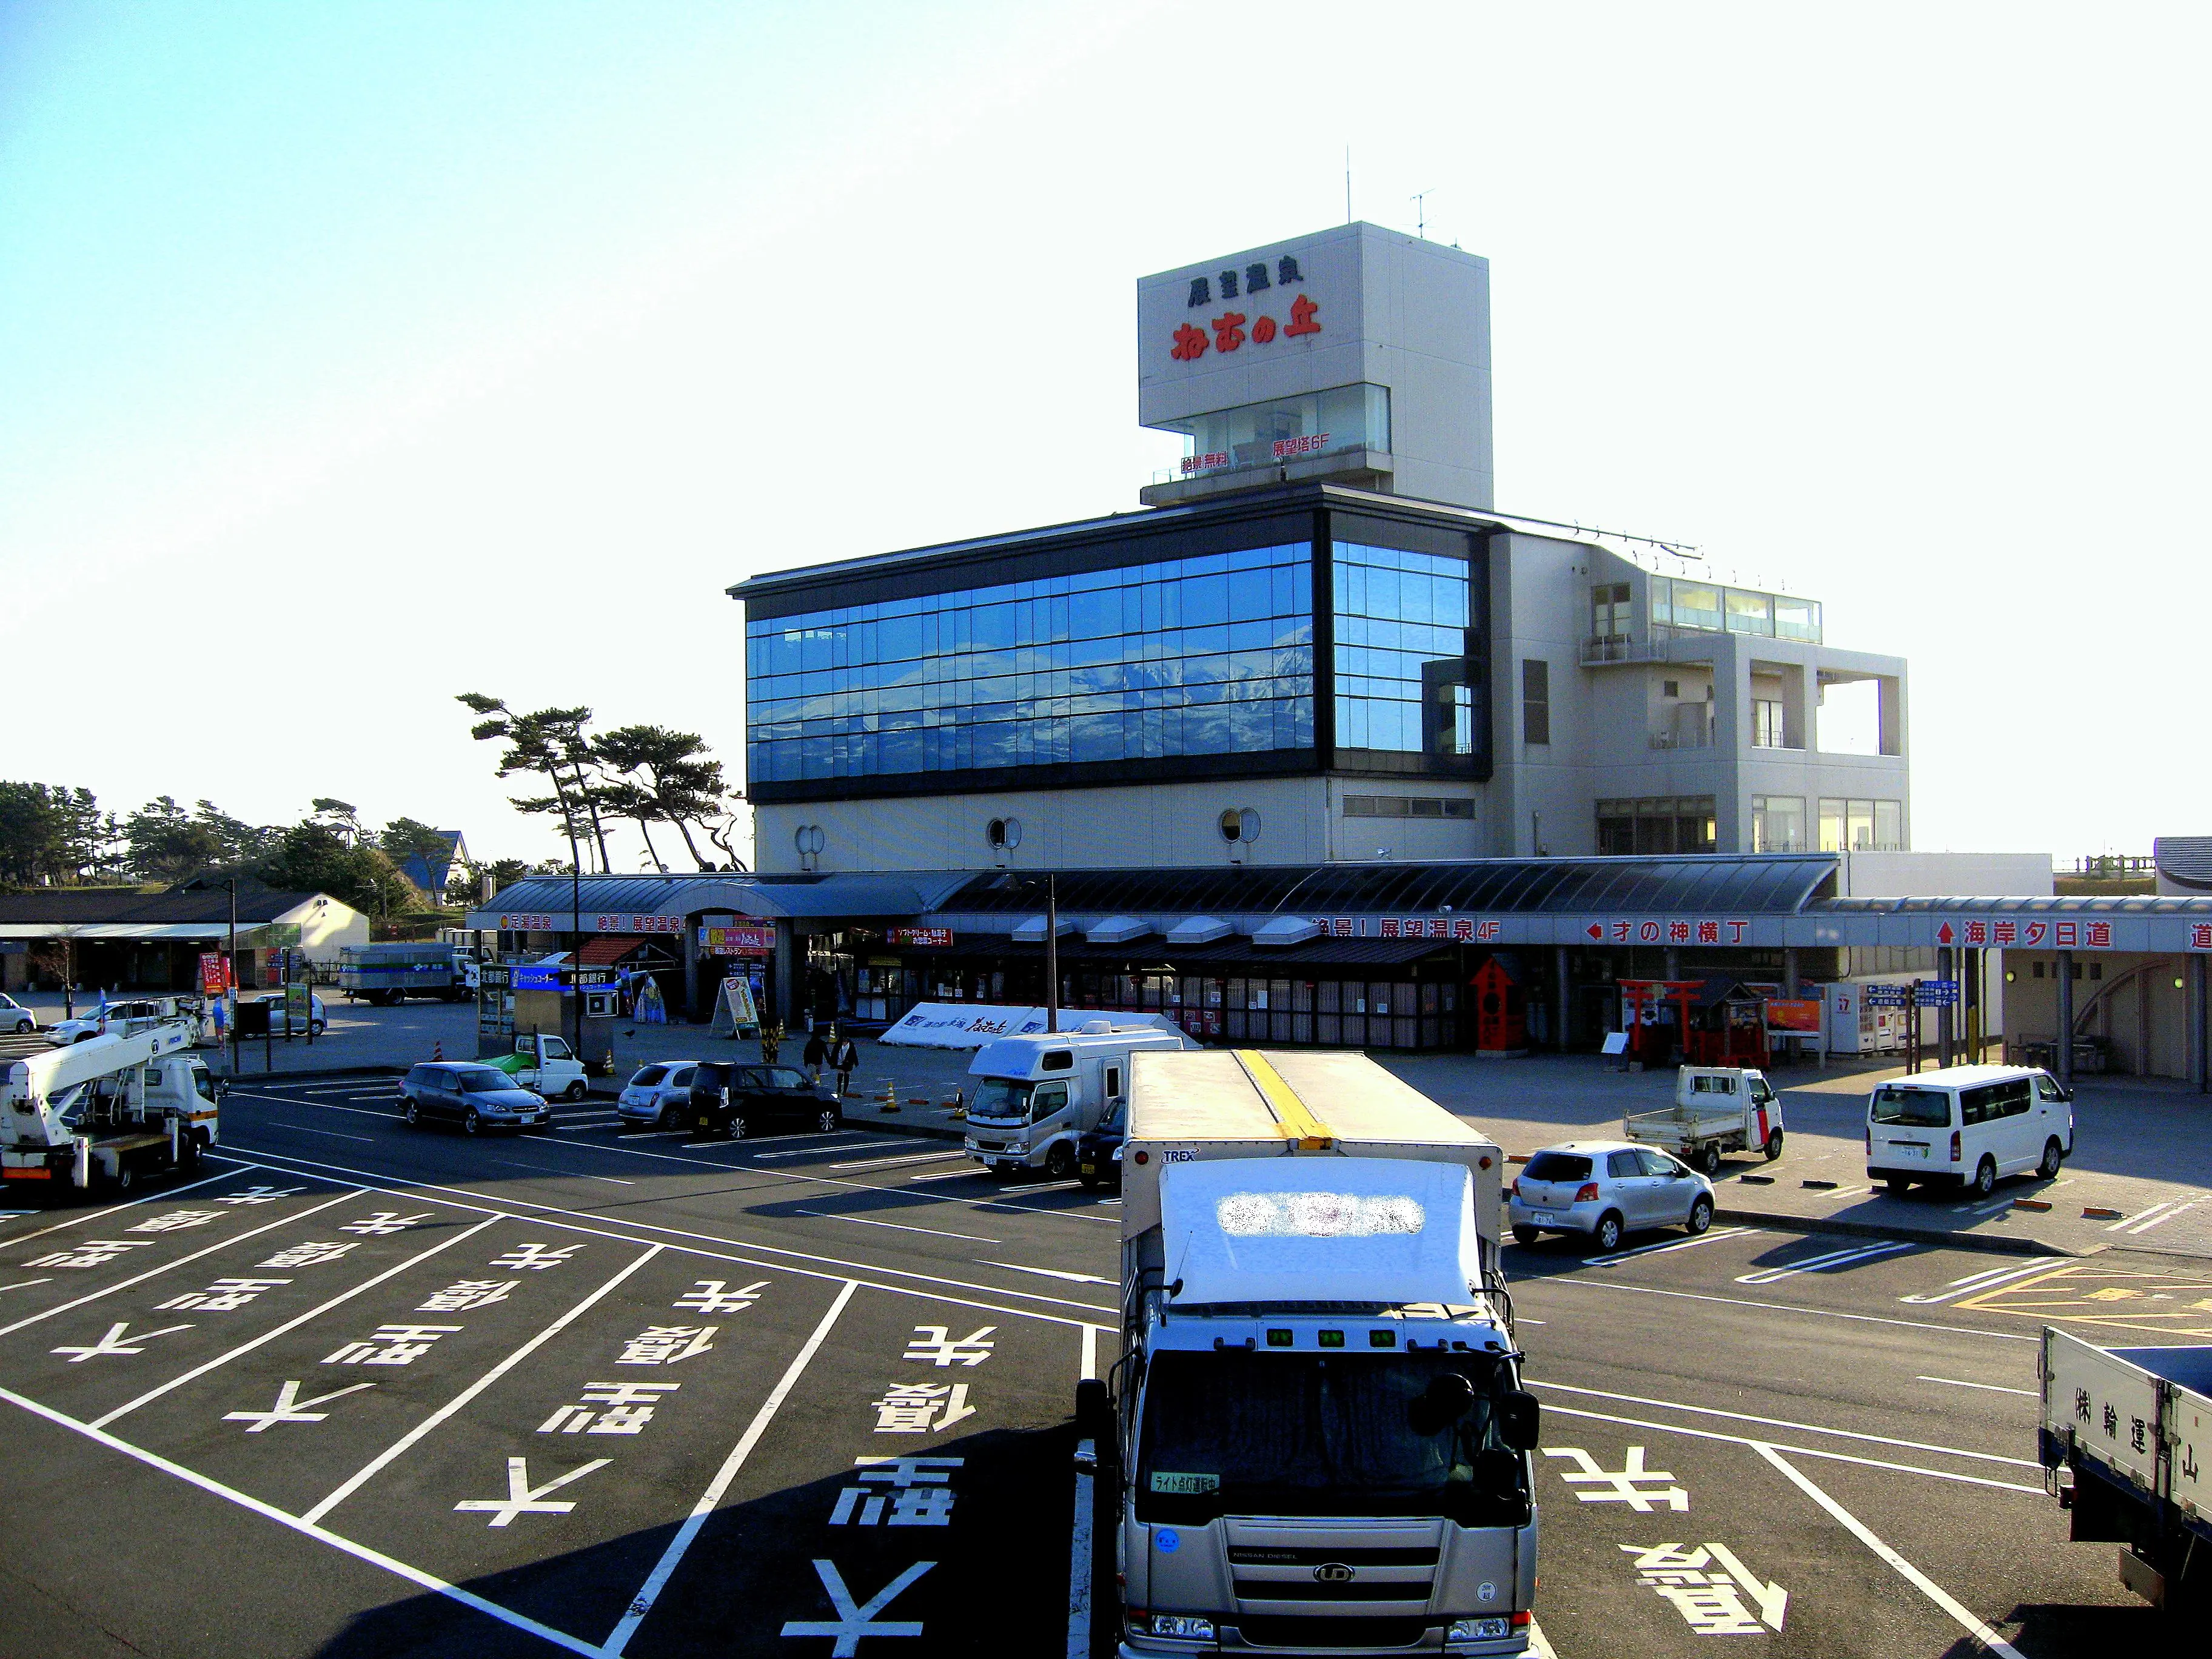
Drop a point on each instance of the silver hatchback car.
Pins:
(1607, 1189)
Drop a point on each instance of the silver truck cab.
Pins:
(1035, 1095)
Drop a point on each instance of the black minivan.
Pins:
(738, 1100)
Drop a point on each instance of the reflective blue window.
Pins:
(1210, 656)
(1401, 678)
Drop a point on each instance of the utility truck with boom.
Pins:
(109, 1108)
(1319, 1440)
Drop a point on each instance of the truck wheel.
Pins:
(1701, 1216)
(188, 1152)
(1773, 1148)
(1526, 1235)
(1709, 1160)
(1985, 1177)
(1609, 1231)
(125, 1176)
(576, 1091)
(2051, 1154)
(1060, 1161)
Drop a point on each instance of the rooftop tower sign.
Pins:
(1357, 355)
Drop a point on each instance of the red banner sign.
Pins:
(939, 936)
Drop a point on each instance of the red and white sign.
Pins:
(752, 940)
(1461, 930)
(938, 937)
(2033, 935)
(1205, 462)
(526, 922)
(1312, 443)
(1670, 930)
(215, 973)
(2200, 935)
(610, 922)
(1228, 331)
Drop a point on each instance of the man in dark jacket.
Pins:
(816, 1056)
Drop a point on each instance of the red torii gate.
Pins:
(1643, 993)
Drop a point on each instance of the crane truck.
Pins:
(1315, 1434)
(111, 1109)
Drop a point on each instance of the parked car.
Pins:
(1966, 1126)
(738, 1100)
(116, 1018)
(1607, 1190)
(280, 1019)
(1099, 1152)
(473, 1095)
(14, 1016)
(656, 1095)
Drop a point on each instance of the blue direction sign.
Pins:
(1939, 993)
(1881, 996)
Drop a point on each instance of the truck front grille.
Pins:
(1319, 1635)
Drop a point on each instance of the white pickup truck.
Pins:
(546, 1064)
(2126, 1435)
(1717, 1109)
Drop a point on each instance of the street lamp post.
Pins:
(1051, 953)
(575, 944)
(230, 975)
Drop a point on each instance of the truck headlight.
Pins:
(1478, 1630)
(1189, 1625)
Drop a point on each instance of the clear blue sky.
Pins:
(354, 355)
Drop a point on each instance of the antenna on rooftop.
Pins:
(1420, 200)
(1347, 183)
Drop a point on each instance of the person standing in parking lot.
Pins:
(814, 1057)
(847, 1059)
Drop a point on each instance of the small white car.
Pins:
(657, 1096)
(88, 1024)
(1607, 1190)
(15, 1017)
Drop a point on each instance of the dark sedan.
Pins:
(738, 1100)
(476, 1096)
(1099, 1153)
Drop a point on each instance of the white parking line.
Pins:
(223, 1244)
(733, 1249)
(1912, 1575)
(1991, 1387)
(944, 1175)
(2146, 1224)
(910, 1157)
(293, 1323)
(657, 1580)
(897, 1226)
(162, 1197)
(1052, 1273)
(1828, 1263)
(367, 1472)
(359, 1552)
(1988, 1280)
(332, 1134)
(567, 1175)
(1788, 1307)
(1669, 1244)
(830, 1143)
(1784, 1422)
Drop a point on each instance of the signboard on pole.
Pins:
(1938, 994)
(215, 977)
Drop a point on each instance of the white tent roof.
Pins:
(1362, 1229)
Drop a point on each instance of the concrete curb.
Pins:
(1955, 1240)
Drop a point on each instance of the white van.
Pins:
(1039, 1092)
(1967, 1124)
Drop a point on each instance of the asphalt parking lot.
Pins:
(369, 1390)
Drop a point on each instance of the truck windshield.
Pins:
(1244, 1433)
(203, 1084)
(1923, 1109)
(995, 1097)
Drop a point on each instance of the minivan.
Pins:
(1967, 1124)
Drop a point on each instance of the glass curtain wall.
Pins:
(1401, 652)
(1208, 656)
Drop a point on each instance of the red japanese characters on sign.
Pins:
(1461, 930)
(2054, 935)
(1671, 930)
(526, 922)
(1310, 444)
(1230, 331)
(1205, 462)
(635, 924)
(755, 940)
(2200, 935)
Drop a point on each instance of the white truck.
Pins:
(1037, 1093)
(1717, 1109)
(109, 1108)
(1316, 1433)
(546, 1064)
(2125, 1439)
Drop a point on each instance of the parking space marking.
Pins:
(1053, 1273)
(569, 1175)
(1988, 1279)
(162, 1197)
(293, 1323)
(301, 1129)
(729, 1244)
(290, 1408)
(1660, 1249)
(1992, 1387)
(1786, 1307)
(1912, 1575)
(2176, 1303)
(359, 1552)
(910, 1157)
(369, 1470)
(657, 1580)
(897, 1226)
(944, 1175)
(1827, 1262)
(1784, 1422)
(182, 1261)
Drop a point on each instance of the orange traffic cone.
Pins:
(437, 1050)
